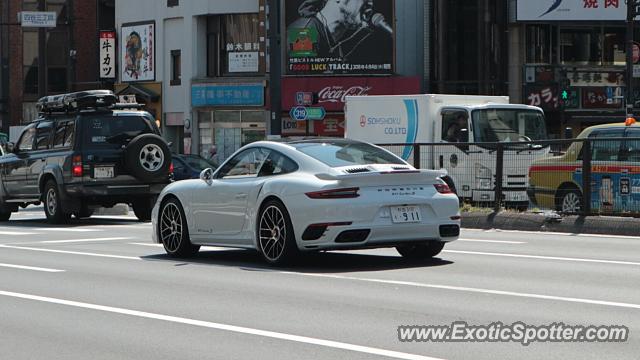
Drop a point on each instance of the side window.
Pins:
(62, 130)
(631, 147)
(245, 164)
(178, 166)
(26, 140)
(69, 133)
(277, 164)
(455, 126)
(43, 135)
(603, 149)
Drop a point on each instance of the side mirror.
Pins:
(206, 175)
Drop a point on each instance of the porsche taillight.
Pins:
(346, 193)
(443, 188)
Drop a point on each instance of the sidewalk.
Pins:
(506, 220)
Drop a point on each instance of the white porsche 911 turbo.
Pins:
(283, 198)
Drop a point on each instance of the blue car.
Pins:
(189, 166)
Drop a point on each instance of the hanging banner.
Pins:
(137, 51)
(107, 55)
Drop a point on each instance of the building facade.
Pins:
(66, 60)
(570, 60)
(203, 64)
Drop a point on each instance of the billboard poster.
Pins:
(571, 10)
(339, 37)
(242, 43)
(137, 51)
(107, 55)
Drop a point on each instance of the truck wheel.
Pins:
(148, 157)
(4, 216)
(53, 205)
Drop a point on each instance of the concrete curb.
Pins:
(602, 225)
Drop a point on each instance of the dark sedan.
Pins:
(190, 166)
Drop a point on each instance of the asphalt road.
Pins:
(99, 289)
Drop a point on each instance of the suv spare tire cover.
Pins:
(159, 157)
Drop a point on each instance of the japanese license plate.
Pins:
(101, 172)
(405, 214)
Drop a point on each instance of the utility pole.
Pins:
(275, 68)
(42, 54)
(631, 14)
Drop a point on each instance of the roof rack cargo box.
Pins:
(77, 101)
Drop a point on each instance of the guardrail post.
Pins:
(499, 176)
(586, 177)
(416, 156)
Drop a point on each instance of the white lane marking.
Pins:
(568, 235)
(558, 258)
(70, 252)
(81, 240)
(16, 233)
(473, 290)
(65, 229)
(491, 241)
(223, 327)
(216, 248)
(34, 268)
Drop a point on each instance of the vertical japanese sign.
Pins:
(107, 55)
(137, 51)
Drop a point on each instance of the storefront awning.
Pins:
(140, 92)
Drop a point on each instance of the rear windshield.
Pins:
(338, 154)
(113, 131)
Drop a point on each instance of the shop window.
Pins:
(176, 71)
(30, 61)
(172, 3)
(540, 44)
(581, 46)
(614, 48)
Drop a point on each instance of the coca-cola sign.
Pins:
(334, 94)
(331, 92)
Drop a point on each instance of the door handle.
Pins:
(43, 159)
(241, 196)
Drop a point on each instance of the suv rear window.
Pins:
(343, 153)
(113, 131)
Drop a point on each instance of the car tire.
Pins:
(173, 231)
(421, 251)
(142, 209)
(570, 201)
(274, 234)
(4, 216)
(84, 213)
(148, 157)
(53, 205)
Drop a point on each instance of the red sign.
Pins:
(332, 91)
(596, 98)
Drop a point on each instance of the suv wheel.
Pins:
(148, 157)
(53, 205)
(142, 209)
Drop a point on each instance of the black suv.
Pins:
(85, 151)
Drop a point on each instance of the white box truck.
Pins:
(452, 121)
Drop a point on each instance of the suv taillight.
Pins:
(76, 168)
(171, 169)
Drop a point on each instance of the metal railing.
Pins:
(591, 176)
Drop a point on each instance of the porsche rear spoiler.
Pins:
(381, 178)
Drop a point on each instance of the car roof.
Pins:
(610, 126)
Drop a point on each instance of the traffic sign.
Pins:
(316, 113)
(298, 113)
(304, 98)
